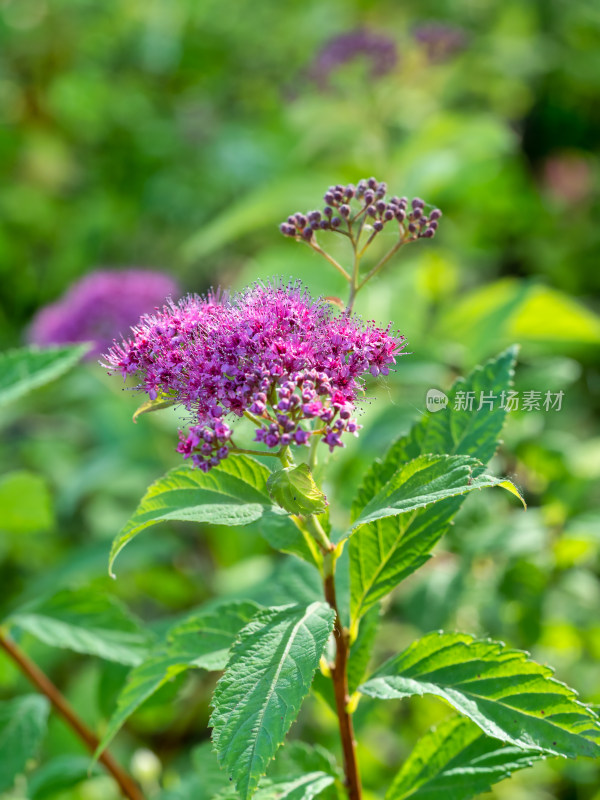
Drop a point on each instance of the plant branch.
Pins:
(331, 260)
(339, 676)
(39, 679)
(382, 262)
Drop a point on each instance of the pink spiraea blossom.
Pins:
(100, 306)
(271, 352)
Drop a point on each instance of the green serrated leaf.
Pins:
(385, 552)
(425, 480)
(503, 692)
(201, 641)
(456, 760)
(304, 787)
(162, 401)
(234, 493)
(23, 370)
(294, 489)
(22, 727)
(95, 624)
(268, 676)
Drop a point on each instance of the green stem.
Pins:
(331, 260)
(381, 263)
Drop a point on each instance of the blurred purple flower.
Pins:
(99, 307)
(440, 39)
(377, 48)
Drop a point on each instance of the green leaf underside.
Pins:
(234, 493)
(22, 727)
(426, 480)
(508, 696)
(269, 674)
(201, 641)
(282, 534)
(60, 774)
(94, 624)
(456, 760)
(162, 401)
(384, 552)
(26, 369)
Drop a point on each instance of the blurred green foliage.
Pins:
(177, 135)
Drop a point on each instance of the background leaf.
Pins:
(456, 760)
(22, 727)
(201, 641)
(507, 695)
(23, 370)
(269, 674)
(25, 502)
(85, 622)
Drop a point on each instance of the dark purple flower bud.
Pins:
(412, 227)
(216, 412)
(378, 226)
(388, 214)
(287, 230)
(350, 191)
(300, 220)
(417, 202)
(403, 202)
(338, 197)
(328, 197)
(400, 215)
(369, 197)
(381, 190)
(307, 234)
(416, 213)
(372, 211)
(345, 211)
(291, 220)
(435, 214)
(325, 225)
(381, 206)
(328, 211)
(428, 233)
(433, 225)
(395, 200)
(223, 452)
(360, 189)
(336, 222)
(301, 437)
(314, 216)
(372, 183)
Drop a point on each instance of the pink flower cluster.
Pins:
(271, 352)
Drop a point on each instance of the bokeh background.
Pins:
(175, 136)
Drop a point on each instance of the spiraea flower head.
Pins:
(271, 353)
(100, 306)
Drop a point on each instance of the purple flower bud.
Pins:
(301, 437)
(328, 211)
(324, 225)
(400, 215)
(378, 226)
(428, 233)
(345, 210)
(388, 214)
(307, 234)
(372, 183)
(301, 220)
(328, 197)
(371, 211)
(314, 216)
(350, 191)
(369, 197)
(417, 202)
(412, 227)
(338, 197)
(433, 225)
(336, 222)
(381, 206)
(381, 190)
(435, 214)
(223, 452)
(416, 213)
